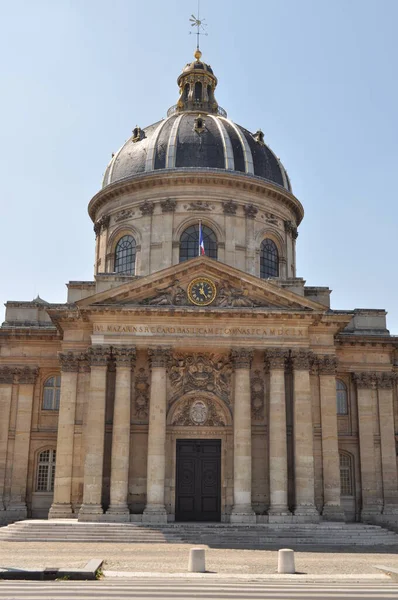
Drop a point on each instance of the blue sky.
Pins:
(318, 77)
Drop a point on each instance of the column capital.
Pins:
(69, 361)
(27, 375)
(124, 356)
(302, 359)
(276, 358)
(98, 355)
(242, 358)
(385, 381)
(6, 374)
(365, 380)
(159, 356)
(84, 363)
(327, 364)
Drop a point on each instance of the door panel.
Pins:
(198, 480)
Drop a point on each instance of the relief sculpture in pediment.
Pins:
(208, 373)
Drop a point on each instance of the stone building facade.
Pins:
(190, 386)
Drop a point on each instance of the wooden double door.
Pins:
(198, 480)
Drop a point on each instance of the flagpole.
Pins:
(200, 231)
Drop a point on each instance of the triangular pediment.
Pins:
(171, 288)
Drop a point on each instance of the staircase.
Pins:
(216, 535)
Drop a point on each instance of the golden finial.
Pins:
(198, 54)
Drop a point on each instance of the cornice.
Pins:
(176, 177)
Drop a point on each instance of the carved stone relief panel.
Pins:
(200, 372)
(198, 412)
(141, 394)
(257, 395)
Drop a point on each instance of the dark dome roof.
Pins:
(182, 141)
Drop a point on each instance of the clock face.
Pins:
(202, 291)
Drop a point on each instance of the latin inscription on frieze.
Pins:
(204, 331)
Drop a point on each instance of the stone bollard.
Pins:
(286, 561)
(197, 562)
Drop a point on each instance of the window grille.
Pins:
(52, 393)
(46, 471)
(269, 259)
(125, 255)
(346, 475)
(341, 397)
(189, 242)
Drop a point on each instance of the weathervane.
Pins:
(199, 24)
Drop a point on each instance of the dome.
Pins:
(196, 135)
(193, 140)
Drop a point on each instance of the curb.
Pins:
(89, 572)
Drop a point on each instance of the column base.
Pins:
(18, 511)
(90, 512)
(154, 513)
(242, 514)
(279, 510)
(370, 513)
(119, 513)
(307, 513)
(333, 512)
(60, 510)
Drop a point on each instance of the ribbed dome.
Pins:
(191, 140)
(196, 135)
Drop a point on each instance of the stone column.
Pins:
(385, 384)
(366, 392)
(155, 511)
(91, 508)
(303, 439)
(278, 478)
(146, 209)
(61, 507)
(6, 381)
(26, 379)
(121, 434)
(242, 511)
(332, 510)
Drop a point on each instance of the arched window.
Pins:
(198, 91)
(45, 471)
(125, 255)
(51, 393)
(341, 397)
(346, 474)
(269, 259)
(189, 242)
(186, 91)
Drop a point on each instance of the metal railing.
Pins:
(197, 106)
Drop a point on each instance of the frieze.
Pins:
(69, 362)
(147, 209)
(124, 356)
(199, 205)
(250, 211)
(242, 358)
(159, 356)
(141, 389)
(168, 205)
(123, 215)
(198, 412)
(230, 207)
(257, 396)
(99, 355)
(201, 372)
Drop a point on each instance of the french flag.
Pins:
(201, 242)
